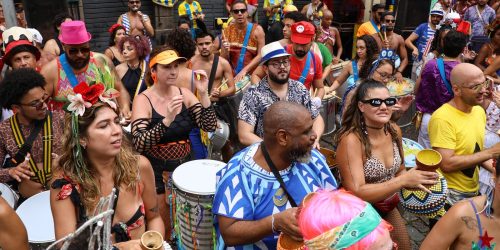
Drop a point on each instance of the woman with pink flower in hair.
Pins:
(97, 162)
(339, 220)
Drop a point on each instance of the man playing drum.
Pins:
(258, 191)
(390, 42)
(242, 42)
(28, 136)
(276, 86)
(220, 71)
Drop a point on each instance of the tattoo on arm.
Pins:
(469, 222)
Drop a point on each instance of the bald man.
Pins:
(250, 203)
(457, 131)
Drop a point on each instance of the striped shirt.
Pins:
(424, 33)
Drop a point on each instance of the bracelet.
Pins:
(272, 224)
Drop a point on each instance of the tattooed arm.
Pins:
(459, 222)
(153, 219)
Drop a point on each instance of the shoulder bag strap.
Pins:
(68, 70)
(277, 174)
(24, 145)
(303, 76)
(212, 73)
(440, 65)
(243, 51)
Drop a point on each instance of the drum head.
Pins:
(197, 177)
(401, 89)
(410, 149)
(36, 215)
(9, 195)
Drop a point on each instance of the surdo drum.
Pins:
(36, 216)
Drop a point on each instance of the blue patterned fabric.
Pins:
(245, 191)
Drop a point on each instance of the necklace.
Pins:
(372, 127)
(134, 66)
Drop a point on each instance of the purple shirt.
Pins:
(432, 92)
(488, 15)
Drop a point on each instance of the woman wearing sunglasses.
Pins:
(370, 153)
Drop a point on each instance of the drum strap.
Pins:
(355, 70)
(41, 175)
(243, 50)
(68, 70)
(141, 79)
(440, 65)
(303, 75)
(276, 174)
(212, 73)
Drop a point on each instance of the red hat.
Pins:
(18, 39)
(302, 32)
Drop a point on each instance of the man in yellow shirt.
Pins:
(192, 10)
(373, 26)
(457, 131)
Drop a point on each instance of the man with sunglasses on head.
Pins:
(30, 136)
(80, 64)
(275, 86)
(457, 130)
(390, 42)
(373, 26)
(242, 41)
(135, 22)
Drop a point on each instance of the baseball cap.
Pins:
(302, 32)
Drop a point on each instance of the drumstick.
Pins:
(223, 82)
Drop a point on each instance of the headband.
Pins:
(114, 27)
(349, 233)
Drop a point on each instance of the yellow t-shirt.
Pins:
(451, 128)
(194, 7)
(267, 3)
(366, 29)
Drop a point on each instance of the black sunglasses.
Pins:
(239, 11)
(74, 51)
(390, 21)
(377, 102)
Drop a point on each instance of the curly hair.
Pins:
(18, 83)
(371, 55)
(436, 41)
(353, 118)
(140, 44)
(125, 172)
(113, 35)
(182, 42)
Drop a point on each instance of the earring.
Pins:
(153, 76)
(84, 146)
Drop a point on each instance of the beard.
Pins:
(276, 78)
(205, 53)
(78, 64)
(300, 155)
(390, 28)
(300, 53)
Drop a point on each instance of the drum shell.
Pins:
(219, 138)
(186, 206)
(327, 111)
(241, 88)
(9, 195)
(36, 215)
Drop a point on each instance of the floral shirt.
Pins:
(479, 24)
(258, 98)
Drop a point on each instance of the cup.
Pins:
(151, 240)
(428, 160)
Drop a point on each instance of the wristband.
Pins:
(272, 224)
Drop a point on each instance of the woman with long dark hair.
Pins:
(116, 34)
(370, 155)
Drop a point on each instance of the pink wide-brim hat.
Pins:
(74, 32)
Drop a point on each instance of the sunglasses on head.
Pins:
(377, 102)
(74, 51)
(239, 11)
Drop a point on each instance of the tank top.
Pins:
(131, 79)
(64, 87)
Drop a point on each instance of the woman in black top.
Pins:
(116, 34)
(163, 116)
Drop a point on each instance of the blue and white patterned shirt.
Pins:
(258, 98)
(479, 22)
(424, 33)
(245, 191)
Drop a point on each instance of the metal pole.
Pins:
(9, 13)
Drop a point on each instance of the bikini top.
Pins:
(121, 229)
(484, 240)
(325, 35)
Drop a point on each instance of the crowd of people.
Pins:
(83, 125)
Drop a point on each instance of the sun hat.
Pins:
(74, 32)
(165, 57)
(17, 39)
(302, 32)
(272, 50)
(289, 8)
